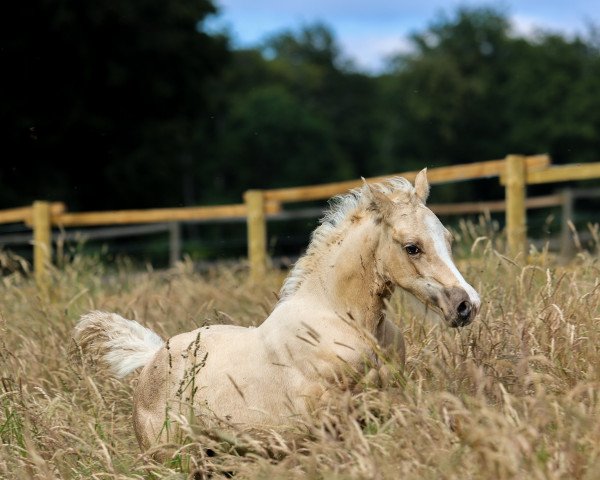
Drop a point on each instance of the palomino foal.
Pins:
(329, 320)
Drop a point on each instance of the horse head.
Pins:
(414, 252)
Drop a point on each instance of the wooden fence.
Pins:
(515, 172)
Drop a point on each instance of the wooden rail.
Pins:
(513, 167)
(469, 208)
(561, 173)
(564, 173)
(143, 229)
(454, 173)
(25, 214)
(158, 215)
(515, 173)
(42, 216)
(515, 181)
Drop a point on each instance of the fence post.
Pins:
(174, 243)
(257, 234)
(516, 219)
(42, 243)
(566, 236)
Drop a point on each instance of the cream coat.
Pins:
(328, 330)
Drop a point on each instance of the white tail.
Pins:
(123, 345)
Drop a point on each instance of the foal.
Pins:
(329, 320)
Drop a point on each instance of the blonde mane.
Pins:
(340, 208)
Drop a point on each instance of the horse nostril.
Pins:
(464, 310)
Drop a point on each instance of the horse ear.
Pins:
(378, 201)
(422, 185)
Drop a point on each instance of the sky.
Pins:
(370, 31)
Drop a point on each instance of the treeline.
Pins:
(131, 104)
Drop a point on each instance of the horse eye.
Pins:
(412, 250)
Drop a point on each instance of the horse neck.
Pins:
(346, 278)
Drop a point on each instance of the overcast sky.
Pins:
(370, 30)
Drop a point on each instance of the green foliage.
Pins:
(271, 129)
(106, 99)
(553, 89)
(472, 90)
(314, 45)
(11, 420)
(131, 104)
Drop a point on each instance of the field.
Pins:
(515, 395)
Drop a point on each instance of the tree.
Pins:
(274, 140)
(310, 63)
(553, 98)
(472, 90)
(105, 99)
(284, 115)
(446, 93)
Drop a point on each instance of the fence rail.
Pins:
(25, 214)
(127, 217)
(454, 173)
(515, 172)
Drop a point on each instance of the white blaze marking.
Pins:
(441, 249)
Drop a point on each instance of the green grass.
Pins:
(515, 395)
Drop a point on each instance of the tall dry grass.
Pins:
(515, 395)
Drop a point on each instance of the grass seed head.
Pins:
(514, 395)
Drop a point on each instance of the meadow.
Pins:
(514, 395)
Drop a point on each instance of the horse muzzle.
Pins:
(459, 307)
